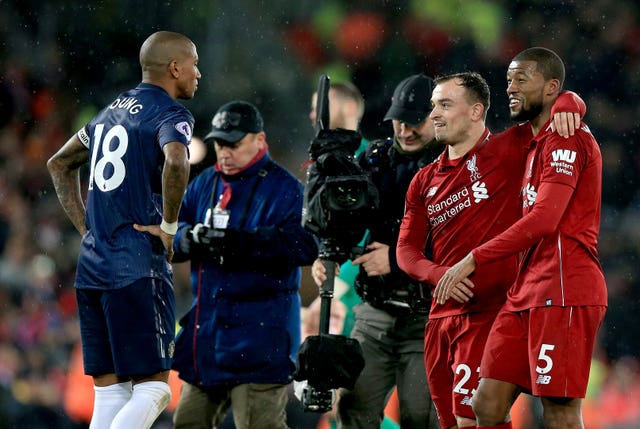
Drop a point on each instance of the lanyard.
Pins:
(225, 197)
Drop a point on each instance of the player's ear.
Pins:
(174, 69)
(552, 87)
(477, 111)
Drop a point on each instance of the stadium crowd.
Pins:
(38, 246)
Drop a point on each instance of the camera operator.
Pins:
(390, 322)
(240, 225)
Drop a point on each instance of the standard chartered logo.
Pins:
(455, 203)
(479, 191)
(530, 194)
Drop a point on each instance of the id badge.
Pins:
(220, 218)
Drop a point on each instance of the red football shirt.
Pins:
(453, 206)
(557, 237)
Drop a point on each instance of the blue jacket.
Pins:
(247, 310)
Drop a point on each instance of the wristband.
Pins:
(169, 228)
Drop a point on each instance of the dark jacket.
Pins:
(391, 171)
(247, 308)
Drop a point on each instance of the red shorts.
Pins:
(545, 350)
(452, 353)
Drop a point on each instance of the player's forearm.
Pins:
(543, 220)
(413, 262)
(411, 258)
(64, 168)
(67, 185)
(412, 238)
(175, 177)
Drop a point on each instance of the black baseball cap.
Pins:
(411, 101)
(235, 120)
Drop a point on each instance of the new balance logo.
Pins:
(543, 379)
(479, 191)
(564, 155)
(432, 191)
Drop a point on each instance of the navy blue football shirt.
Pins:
(125, 141)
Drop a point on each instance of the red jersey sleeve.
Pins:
(551, 202)
(414, 232)
(569, 101)
(559, 170)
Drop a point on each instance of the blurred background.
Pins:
(62, 61)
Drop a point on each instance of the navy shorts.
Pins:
(128, 331)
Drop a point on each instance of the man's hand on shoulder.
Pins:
(565, 123)
(567, 111)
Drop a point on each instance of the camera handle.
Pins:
(326, 295)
